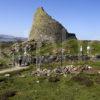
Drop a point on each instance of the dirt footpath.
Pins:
(12, 69)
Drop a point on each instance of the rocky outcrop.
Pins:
(46, 28)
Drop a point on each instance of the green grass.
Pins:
(95, 64)
(27, 88)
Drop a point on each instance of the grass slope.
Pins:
(71, 87)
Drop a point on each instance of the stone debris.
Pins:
(99, 72)
(37, 81)
(7, 75)
(61, 70)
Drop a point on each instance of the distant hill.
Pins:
(8, 38)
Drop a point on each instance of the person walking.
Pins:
(20, 60)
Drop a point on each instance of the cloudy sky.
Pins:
(78, 16)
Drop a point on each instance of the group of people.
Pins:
(22, 60)
(20, 57)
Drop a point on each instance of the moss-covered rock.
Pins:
(46, 28)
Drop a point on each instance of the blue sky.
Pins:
(78, 16)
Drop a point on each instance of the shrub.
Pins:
(41, 78)
(2, 79)
(7, 94)
(83, 80)
(54, 79)
(97, 79)
(3, 63)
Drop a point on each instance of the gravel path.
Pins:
(12, 69)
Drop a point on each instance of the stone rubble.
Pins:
(69, 69)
